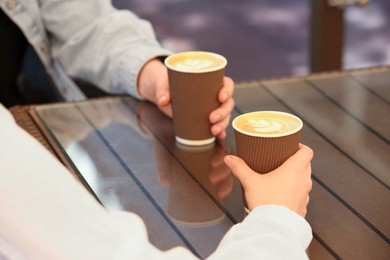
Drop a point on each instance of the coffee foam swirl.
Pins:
(267, 123)
(194, 64)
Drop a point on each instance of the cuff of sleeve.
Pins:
(131, 66)
(5, 116)
(285, 216)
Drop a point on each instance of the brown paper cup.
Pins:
(266, 151)
(262, 151)
(194, 94)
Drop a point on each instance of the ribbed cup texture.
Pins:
(264, 154)
(194, 96)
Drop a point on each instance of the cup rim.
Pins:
(293, 131)
(189, 53)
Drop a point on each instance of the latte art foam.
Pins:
(267, 123)
(195, 62)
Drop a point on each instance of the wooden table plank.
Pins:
(357, 101)
(347, 235)
(339, 128)
(377, 80)
(317, 252)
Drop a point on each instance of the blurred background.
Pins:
(264, 39)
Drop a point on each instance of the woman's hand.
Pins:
(289, 185)
(153, 85)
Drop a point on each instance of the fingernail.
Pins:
(228, 159)
(224, 97)
(162, 99)
(217, 130)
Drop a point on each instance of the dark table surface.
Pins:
(125, 152)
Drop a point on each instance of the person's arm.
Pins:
(268, 232)
(117, 51)
(99, 44)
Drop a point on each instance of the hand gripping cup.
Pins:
(265, 139)
(195, 79)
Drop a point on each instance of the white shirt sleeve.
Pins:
(47, 214)
(100, 44)
(268, 232)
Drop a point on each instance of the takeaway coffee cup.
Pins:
(265, 139)
(195, 79)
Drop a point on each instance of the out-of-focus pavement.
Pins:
(263, 38)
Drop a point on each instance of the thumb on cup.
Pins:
(240, 169)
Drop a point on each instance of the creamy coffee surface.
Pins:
(268, 123)
(196, 61)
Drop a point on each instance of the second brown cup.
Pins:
(195, 79)
(265, 139)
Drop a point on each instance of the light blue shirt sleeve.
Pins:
(95, 42)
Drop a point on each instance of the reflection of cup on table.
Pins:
(189, 204)
(198, 160)
(265, 139)
(195, 79)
